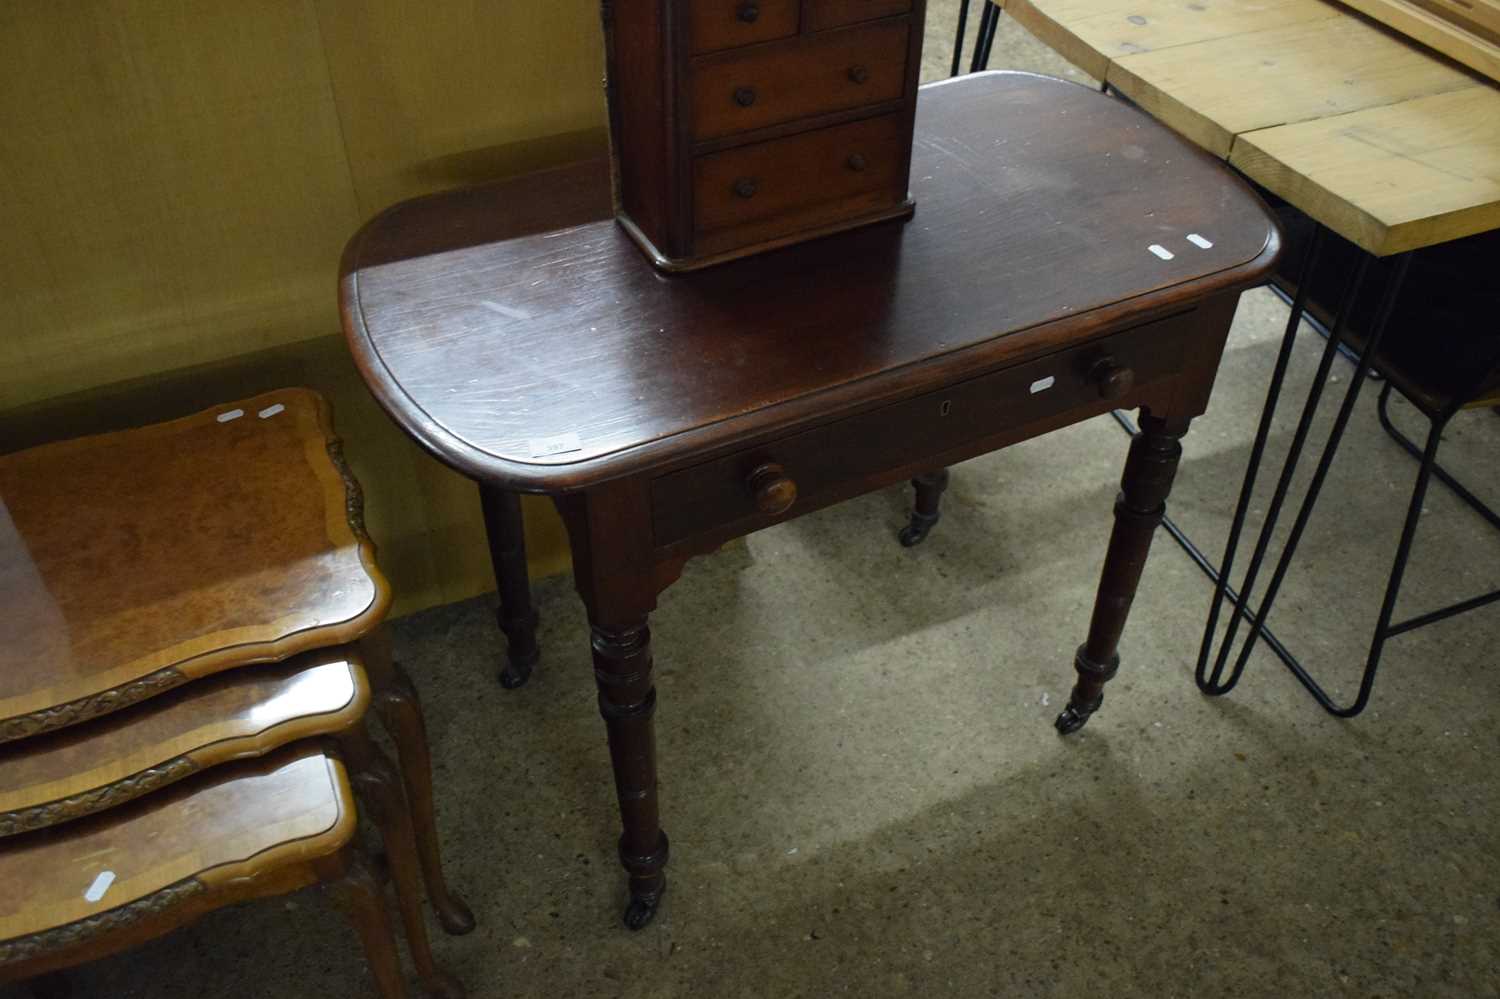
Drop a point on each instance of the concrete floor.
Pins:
(865, 794)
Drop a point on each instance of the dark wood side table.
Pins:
(1069, 256)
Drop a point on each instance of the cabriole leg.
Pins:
(401, 713)
(379, 787)
(356, 891)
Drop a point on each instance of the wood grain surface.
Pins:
(527, 345)
(1371, 134)
(1215, 90)
(1389, 178)
(133, 561)
(1467, 31)
(233, 822)
(243, 713)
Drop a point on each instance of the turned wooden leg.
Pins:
(516, 616)
(1149, 470)
(925, 512)
(379, 788)
(627, 700)
(401, 713)
(356, 891)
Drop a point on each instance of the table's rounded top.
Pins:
(517, 333)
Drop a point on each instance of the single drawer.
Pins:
(724, 24)
(740, 90)
(823, 14)
(787, 185)
(753, 485)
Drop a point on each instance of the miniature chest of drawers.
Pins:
(744, 125)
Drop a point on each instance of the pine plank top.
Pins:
(1383, 141)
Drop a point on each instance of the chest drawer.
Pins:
(816, 463)
(723, 24)
(765, 85)
(761, 191)
(822, 14)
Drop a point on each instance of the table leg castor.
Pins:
(644, 900)
(926, 511)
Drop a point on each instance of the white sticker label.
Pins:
(99, 887)
(271, 411)
(541, 447)
(1198, 241)
(1161, 251)
(233, 414)
(1042, 384)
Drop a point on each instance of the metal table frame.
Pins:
(1213, 680)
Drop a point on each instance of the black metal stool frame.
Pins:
(1212, 681)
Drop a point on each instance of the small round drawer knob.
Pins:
(748, 12)
(858, 74)
(745, 187)
(773, 489)
(857, 162)
(1111, 378)
(744, 96)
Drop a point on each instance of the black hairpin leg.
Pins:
(1214, 682)
(958, 38)
(1252, 469)
(1222, 590)
(984, 37)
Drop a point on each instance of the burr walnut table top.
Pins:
(229, 828)
(134, 561)
(243, 713)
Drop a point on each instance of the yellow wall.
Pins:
(178, 178)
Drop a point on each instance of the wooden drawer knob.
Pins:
(773, 489)
(748, 12)
(744, 96)
(858, 74)
(1111, 378)
(857, 162)
(745, 187)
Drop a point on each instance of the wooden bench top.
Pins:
(1388, 144)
